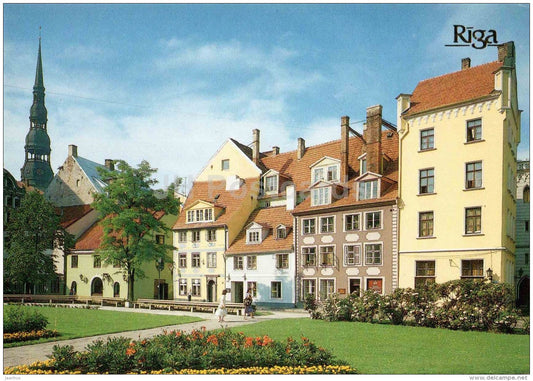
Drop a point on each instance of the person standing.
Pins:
(189, 296)
(248, 308)
(221, 310)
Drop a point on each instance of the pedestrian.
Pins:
(221, 310)
(248, 308)
(189, 296)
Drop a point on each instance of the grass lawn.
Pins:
(72, 323)
(388, 349)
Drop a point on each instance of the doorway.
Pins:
(237, 292)
(211, 290)
(97, 287)
(355, 287)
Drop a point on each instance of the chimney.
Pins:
(73, 150)
(372, 137)
(109, 164)
(291, 197)
(465, 63)
(345, 135)
(275, 150)
(506, 53)
(301, 148)
(255, 146)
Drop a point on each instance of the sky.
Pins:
(170, 83)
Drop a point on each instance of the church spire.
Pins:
(37, 171)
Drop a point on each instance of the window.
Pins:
(182, 260)
(308, 287)
(271, 183)
(211, 235)
(333, 173)
(373, 220)
(373, 254)
(200, 215)
(375, 285)
(425, 224)
(427, 139)
(195, 287)
(253, 236)
(352, 255)
(327, 224)
(351, 222)
(74, 262)
(281, 232)
(160, 239)
(251, 262)
(252, 286)
(425, 273)
(97, 262)
(309, 226)
(238, 262)
(225, 164)
(473, 175)
(183, 287)
(473, 130)
(473, 220)
(327, 256)
(355, 287)
(472, 268)
(282, 261)
(309, 256)
(318, 174)
(368, 189)
(275, 290)
(196, 236)
(363, 166)
(321, 196)
(327, 288)
(116, 290)
(182, 237)
(195, 260)
(211, 260)
(426, 181)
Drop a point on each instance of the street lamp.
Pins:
(159, 265)
(489, 274)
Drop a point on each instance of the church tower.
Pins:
(37, 171)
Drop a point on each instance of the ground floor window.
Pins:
(195, 287)
(472, 268)
(252, 286)
(308, 287)
(73, 288)
(425, 273)
(375, 285)
(327, 288)
(355, 287)
(183, 287)
(275, 290)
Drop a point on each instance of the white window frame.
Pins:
(280, 290)
(224, 167)
(303, 225)
(250, 262)
(211, 259)
(466, 174)
(366, 244)
(320, 287)
(361, 285)
(304, 264)
(375, 277)
(196, 287)
(344, 255)
(380, 220)
(320, 224)
(321, 196)
(466, 130)
(182, 286)
(253, 233)
(375, 189)
(274, 186)
(238, 262)
(319, 256)
(344, 222)
(314, 286)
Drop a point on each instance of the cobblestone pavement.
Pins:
(28, 354)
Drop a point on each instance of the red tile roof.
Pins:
(70, 214)
(229, 201)
(270, 218)
(454, 88)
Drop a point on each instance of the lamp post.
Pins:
(159, 265)
(489, 274)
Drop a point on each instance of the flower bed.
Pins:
(32, 335)
(200, 352)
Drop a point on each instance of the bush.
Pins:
(26, 336)
(311, 306)
(398, 305)
(19, 319)
(366, 307)
(175, 350)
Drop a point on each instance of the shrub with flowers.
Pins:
(19, 319)
(32, 335)
(176, 351)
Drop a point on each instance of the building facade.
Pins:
(458, 138)
(522, 234)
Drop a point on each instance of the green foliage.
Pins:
(459, 305)
(131, 215)
(198, 350)
(19, 319)
(311, 306)
(33, 229)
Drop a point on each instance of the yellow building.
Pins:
(458, 142)
(217, 207)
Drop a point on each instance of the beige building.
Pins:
(458, 143)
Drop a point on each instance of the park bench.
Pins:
(192, 306)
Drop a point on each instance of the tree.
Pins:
(130, 213)
(33, 229)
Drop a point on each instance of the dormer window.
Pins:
(368, 189)
(200, 215)
(253, 236)
(281, 232)
(318, 174)
(332, 174)
(321, 196)
(271, 183)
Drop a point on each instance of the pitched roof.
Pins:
(70, 214)
(229, 201)
(90, 169)
(270, 218)
(453, 88)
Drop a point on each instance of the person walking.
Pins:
(248, 308)
(221, 310)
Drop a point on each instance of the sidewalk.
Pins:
(38, 352)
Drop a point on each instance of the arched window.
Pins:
(525, 196)
(73, 288)
(116, 290)
(97, 287)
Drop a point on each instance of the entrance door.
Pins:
(211, 291)
(237, 292)
(355, 287)
(97, 287)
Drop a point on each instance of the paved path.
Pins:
(28, 354)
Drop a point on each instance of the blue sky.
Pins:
(169, 83)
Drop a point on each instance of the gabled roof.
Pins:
(454, 88)
(230, 201)
(270, 218)
(90, 169)
(71, 214)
